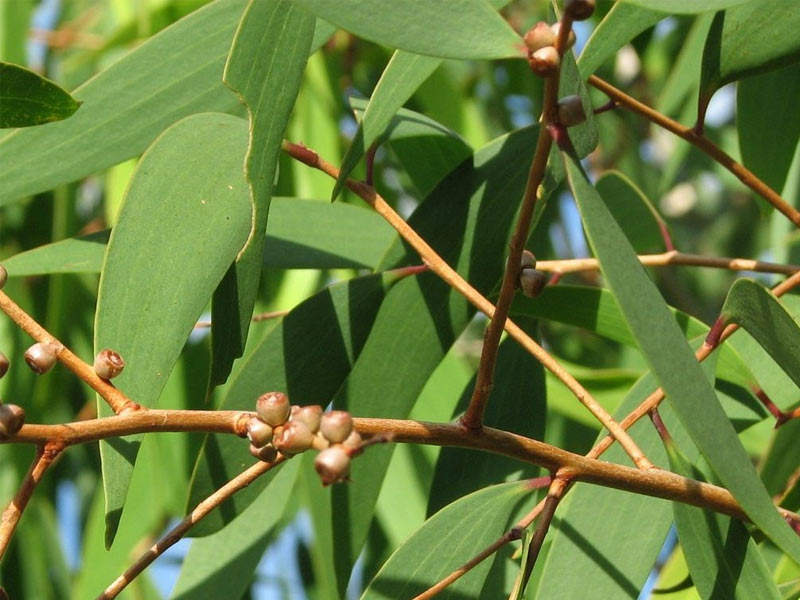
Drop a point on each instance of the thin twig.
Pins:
(116, 399)
(700, 141)
(45, 454)
(452, 278)
(239, 482)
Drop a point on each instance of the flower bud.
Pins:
(532, 282)
(353, 441)
(570, 111)
(579, 9)
(108, 364)
(310, 416)
(539, 36)
(40, 357)
(259, 433)
(527, 260)
(3, 364)
(273, 408)
(336, 426)
(545, 61)
(320, 442)
(3, 276)
(332, 465)
(556, 29)
(267, 453)
(293, 438)
(12, 417)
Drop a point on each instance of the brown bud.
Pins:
(332, 465)
(293, 438)
(545, 61)
(3, 276)
(108, 364)
(40, 357)
(527, 260)
(3, 364)
(336, 426)
(273, 408)
(310, 416)
(532, 282)
(556, 29)
(570, 111)
(353, 441)
(259, 433)
(579, 9)
(267, 453)
(539, 36)
(12, 417)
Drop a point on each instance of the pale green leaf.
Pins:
(685, 6)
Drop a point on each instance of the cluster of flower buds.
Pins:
(12, 417)
(531, 280)
(281, 427)
(542, 54)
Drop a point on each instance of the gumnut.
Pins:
(293, 438)
(12, 417)
(556, 29)
(579, 9)
(310, 416)
(527, 260)
(108, 364)
(259, 433)
(532, 282)
(273, 408)
(570, 111)
(545, 61)
(267, 453)
(332, 465)
(353, 441)
(40, 357)
(336, 426)
(539, 36)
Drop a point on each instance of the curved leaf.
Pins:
(453, 29)
(30, 99)
(178, 231)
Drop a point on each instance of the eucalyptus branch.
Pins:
(239, 482)
(436, 264)
(700, 141)
(115, 398)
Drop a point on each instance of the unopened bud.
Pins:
(267, 453)
(40, 357)
(545, 61)
(3, 276)
(332, 465)
(3, 364)
(12, 417)
(532, 282)
(108, 364)
(336, 426)
(259, 433)
(273, 408)
(310, 416)
(353, 441)
(539, 36)
(556, 29)
(570, 111)
(527, 260)
(293, 438)
(579, 9)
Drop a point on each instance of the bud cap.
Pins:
(336, 426)
(40, 357)
(108, 364)
(273, 408)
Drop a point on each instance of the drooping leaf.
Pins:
(447, 540)
(27, 98)
(685, 6)
(222, 565)
(737, 47)
(767, 103)
(264, 69)
(174, 74)
(517, 403)
(307, 355)
(455, 29)
(673, 362)
(178, 231)
(723, 559)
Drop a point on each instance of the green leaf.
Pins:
(174, 74)
(307, 354)
(673, 362)
(517, 403)
(754, 308)
(635, 214)
(74, 255)
(29, 99)
(222, 565)
(737, 46)
(620, 25)
(447, 540)
(193, 221)
(767, 103)
(264, 69)
(454, 29)
(685, 6)
(723, 559)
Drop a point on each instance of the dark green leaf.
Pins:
(28, 99)
(193, 222)
(454, 29)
